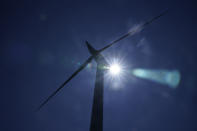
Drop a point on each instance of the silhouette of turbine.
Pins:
(97, 107)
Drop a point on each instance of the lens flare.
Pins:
(170, 78)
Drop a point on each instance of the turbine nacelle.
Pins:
(98, 57)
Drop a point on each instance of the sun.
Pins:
(115, 69)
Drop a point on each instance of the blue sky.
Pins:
(43, 43)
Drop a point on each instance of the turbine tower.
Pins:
(96, 123)
(97, 107)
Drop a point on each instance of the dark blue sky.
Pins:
(43, 42)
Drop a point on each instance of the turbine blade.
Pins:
(154, 18)
(134, 30)
(61, 86)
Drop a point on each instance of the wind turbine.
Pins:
(102, 66)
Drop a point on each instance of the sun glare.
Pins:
(115, 69)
